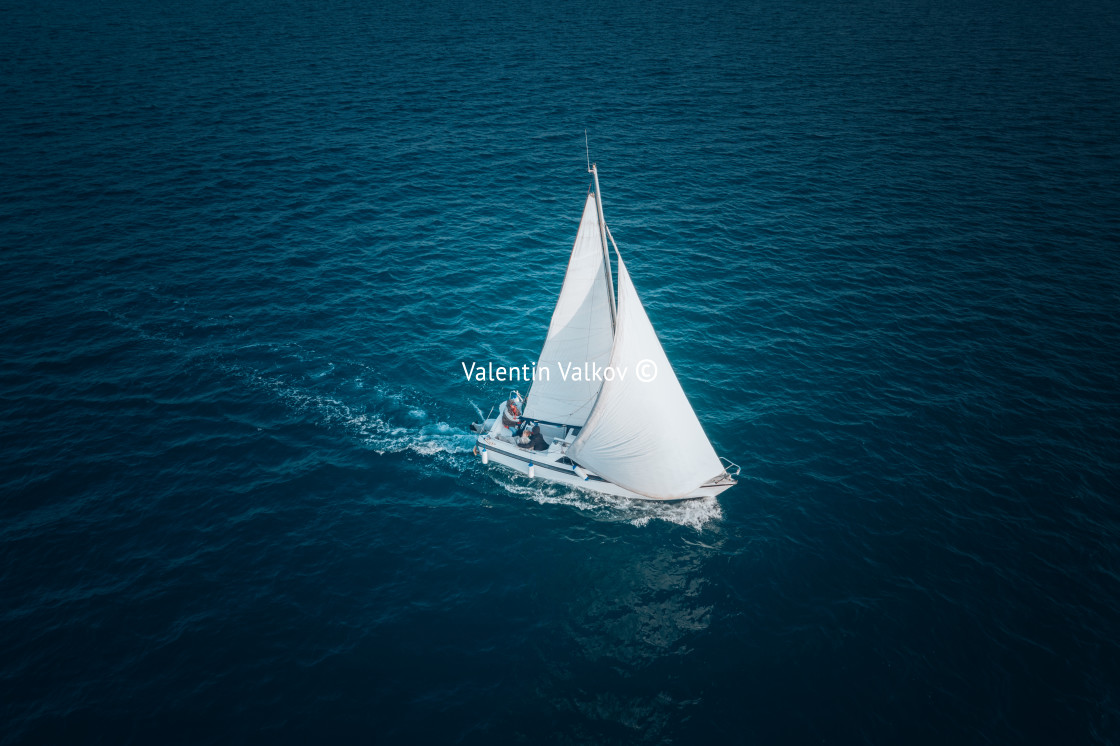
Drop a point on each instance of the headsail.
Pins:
(644, 436)
(581, 331)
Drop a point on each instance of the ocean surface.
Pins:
(246, 247)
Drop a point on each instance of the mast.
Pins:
(603, 237)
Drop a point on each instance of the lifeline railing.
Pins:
(728, 464)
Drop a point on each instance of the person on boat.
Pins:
(537, 441)
(511, 414)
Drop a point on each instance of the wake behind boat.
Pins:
(608, 413)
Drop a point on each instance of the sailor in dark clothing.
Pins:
(537, 442)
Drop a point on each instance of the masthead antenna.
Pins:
(588, 149)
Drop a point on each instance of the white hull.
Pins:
(553, 466)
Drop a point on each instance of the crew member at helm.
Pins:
(537, 441)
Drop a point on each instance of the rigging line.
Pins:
(616, 253)
(588, 149)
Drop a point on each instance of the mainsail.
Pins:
(644, 435)
(580, 332)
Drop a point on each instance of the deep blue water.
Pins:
(245, 247)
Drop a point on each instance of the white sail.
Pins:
(644, 435)
(580, 332)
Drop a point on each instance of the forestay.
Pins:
(580, 332)
(644, 436)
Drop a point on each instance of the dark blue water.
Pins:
(245, 247)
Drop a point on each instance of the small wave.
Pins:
(327, 371)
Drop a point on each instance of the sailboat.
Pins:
(605, 412)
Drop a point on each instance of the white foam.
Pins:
(375, 429)
(442, 438)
